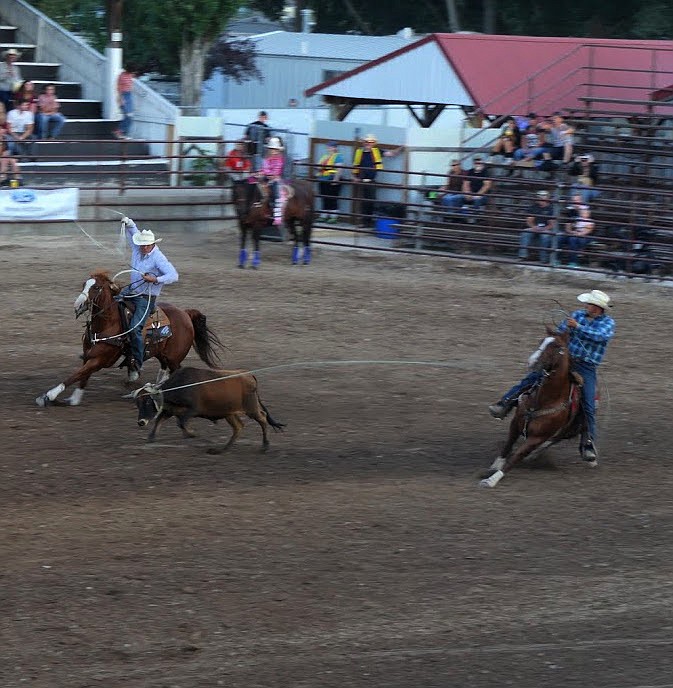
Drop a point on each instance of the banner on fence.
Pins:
(33, 204)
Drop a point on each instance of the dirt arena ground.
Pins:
(359, 551)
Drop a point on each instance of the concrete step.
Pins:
(64, 89)
(44, 71)
(76, 129)
(50, 151)
(27, 50)
(80, 109)
(7, 34)
(111, 172)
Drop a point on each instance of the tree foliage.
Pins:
(590, 18)
(234, 58)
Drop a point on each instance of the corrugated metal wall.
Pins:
(285, 77)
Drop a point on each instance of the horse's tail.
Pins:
(278, 427)
(205, 340)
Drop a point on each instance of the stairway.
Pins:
(86, 148)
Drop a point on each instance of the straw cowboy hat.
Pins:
(370, 138)
(596, 297)
(145, 238)
(10, 51)
(275, 143)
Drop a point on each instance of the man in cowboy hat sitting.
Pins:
(591, 329)
(151, 271)
(10, 77)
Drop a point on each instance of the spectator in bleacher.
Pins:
(8, 163)
(576, 235)
(477, 185)
(540, 223)
(560, 144)
(508, 141)
(329, 181)
(585, 169)
(530, 120)
(10, 77)
(125, 101)
(237, 162)
(451, 192)
(51, 120)
(27, 93)
(21, 123)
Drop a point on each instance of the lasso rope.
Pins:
(305, 364)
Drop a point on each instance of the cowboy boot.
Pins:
(242, 258)
(295, 255)
(256, 260)
(307, 255)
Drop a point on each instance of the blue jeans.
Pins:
(138, 320)
(452, 200)
(127, 111)
(587, 192)
(56, 120)
(575, 245)
(544, 240)
(586, 370)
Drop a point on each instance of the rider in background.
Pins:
(591, 329)
(151, 270)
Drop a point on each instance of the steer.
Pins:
(197, 393)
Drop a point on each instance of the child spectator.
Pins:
(272, 169)
(51, 120)
(125, 101)
(7, 161)
(329, 181)
(21, 123)
(577, 234)
(237, 162)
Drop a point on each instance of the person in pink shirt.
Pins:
(49, 115)
(272, 168)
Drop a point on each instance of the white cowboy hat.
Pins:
(274, 142)
(145, 237)
(596, 297)
(370, 138)
(11, 51)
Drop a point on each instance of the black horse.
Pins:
(255, 212)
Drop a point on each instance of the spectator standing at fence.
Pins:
(21, 123)
(125, 101)
(51, 120)
(237, 162)
(540, 223)
(10, 77)
(367, 162)
(257, 133)
(329, 181)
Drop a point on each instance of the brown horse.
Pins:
(549, 413)
(254, 212)
(104, 339)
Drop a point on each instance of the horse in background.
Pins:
(548, 413)
(104, 341)
(255, 212)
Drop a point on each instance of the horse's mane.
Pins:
(103, 276)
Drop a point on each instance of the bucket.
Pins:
(385, 228)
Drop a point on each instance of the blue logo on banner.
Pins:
(23, 196)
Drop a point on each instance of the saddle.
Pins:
(157, 327)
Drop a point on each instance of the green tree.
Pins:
(84, 17)
(174, 36)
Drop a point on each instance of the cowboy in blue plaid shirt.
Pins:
(591, 330)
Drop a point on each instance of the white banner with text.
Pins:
(34, 204)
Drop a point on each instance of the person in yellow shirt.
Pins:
(329, 182)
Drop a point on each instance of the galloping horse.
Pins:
(104, 338)
(254, 211)
(550, 413)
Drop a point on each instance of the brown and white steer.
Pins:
(198, 393)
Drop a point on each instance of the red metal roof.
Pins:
(519, 74)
